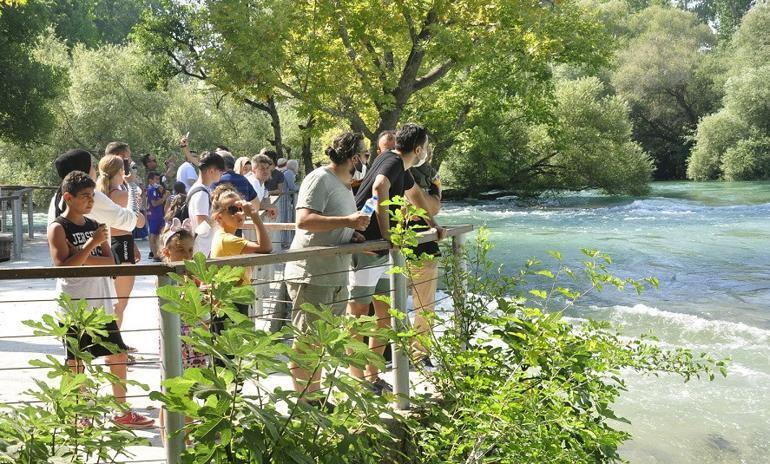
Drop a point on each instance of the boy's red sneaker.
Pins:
(132, 420)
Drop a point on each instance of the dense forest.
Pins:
(519, 95)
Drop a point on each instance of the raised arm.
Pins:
(106, 211)
(262, 244)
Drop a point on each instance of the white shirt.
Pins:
(259, 187)
(187, 174)
(199, 204)
(105, 211)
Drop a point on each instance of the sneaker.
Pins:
(131, 349)
(130, 360)
(132, 420)
(380, 387)
(322, 405)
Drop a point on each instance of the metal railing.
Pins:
(12, 200)
(171, 357)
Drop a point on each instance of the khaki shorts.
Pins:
(319, 296)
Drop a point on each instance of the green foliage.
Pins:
(27, 86)
(587, 144)
(95, 22)
(749, 159)
(108, 100)
(49, 427)
(519, 383)
(234, 417)
(716, 133)
(660, 74)
(732, 143)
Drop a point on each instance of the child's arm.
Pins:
(63, 253)
(262, 245)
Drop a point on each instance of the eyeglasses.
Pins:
(233, 210)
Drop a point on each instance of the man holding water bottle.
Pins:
(387, 177)
(326, 216)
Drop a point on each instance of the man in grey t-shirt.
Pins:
(326, 216)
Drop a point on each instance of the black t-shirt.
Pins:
(78, 234)
(390, 165)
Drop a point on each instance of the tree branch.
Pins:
(433, 75)
(343, 33)
(257, 105)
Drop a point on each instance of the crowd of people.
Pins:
(94, 217)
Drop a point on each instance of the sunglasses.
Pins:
(233, 210)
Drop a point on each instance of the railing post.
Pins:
(18, 229)
(170, 328)
(30, 215)
(458, 243)
(398, 289)
(3, 224)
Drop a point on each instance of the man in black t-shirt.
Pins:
(387, 177)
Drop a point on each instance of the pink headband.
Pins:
(175, 227)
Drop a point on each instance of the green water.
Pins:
(709, 244)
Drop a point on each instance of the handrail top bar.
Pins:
(40, 272)
(30, 187)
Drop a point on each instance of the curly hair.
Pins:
(344, 147)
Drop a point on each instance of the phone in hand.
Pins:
(127, 167)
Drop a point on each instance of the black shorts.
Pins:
(86, 343)
(123, 249)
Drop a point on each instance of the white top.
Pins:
(259, 187)
(200, 205)
(187, 174)
(105, 211)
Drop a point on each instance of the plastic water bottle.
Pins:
(370, 206)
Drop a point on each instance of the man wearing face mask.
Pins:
(387, 177)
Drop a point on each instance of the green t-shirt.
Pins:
(322, 192)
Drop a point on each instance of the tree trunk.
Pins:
(307, 154)
(275, 121)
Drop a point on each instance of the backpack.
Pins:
(184, 212)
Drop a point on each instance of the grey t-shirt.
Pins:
(322, 192)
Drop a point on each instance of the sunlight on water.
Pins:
(709, 244)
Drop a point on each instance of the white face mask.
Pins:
(422, 159)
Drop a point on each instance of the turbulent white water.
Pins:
(709, 244)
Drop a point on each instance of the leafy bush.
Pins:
(517, 382)
(235, 418)
(49, 428)
(520, 383)
(749, 159)
(716, 133)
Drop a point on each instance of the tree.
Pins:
(327, 57)
(108, 100)
(95, 22)
(27, 86)
(587, 144)
(180, 38)
(733, 143)
(661, 74)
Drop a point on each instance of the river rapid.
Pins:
(709, 245)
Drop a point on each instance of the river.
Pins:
(709, 245)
